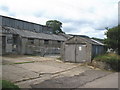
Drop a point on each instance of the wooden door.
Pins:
(70, 53)
(81, 53)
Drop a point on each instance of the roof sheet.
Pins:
(78, 39)
(30, 34)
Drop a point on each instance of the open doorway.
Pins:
(3, 44)
(15, 43)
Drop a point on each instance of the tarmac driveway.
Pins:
(19, 69)
(42, 72)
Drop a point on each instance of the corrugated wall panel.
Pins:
(16, 24)
(97, 50)
(36, 28)
(30, 27)
(45, 29)
(40, 29)
(0, 20)
(12, 23)
(3, 21)
(19, 24)
(25, 25)
(6, 22)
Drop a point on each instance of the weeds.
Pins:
(6, 85)
(112, 59)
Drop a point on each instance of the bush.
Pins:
(6, 85)
(112, 59)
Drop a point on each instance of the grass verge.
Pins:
(6, 85)
(24, 62)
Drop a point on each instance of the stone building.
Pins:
(22, 37)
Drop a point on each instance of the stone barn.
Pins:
(23, 37)
(81, 49)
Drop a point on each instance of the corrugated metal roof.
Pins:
(97, 42)
(65, 35)
(78, 39)
(30, 34)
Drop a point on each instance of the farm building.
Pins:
(81, 49)
(22, 37)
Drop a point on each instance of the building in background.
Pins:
(22, 37)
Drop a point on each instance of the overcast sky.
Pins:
(81, 17)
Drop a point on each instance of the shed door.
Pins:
(81, 53)
(70, 53)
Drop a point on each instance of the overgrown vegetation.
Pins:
(111, 59)
(6, 85)
(113, 38)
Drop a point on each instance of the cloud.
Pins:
(119, 13)
(4, 8)
(89, 17)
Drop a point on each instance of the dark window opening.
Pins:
(30, 41)
(59, 42)
(9, 41)
(46, 42)
(39, 42)
(15, 39)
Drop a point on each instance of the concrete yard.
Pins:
(48, 72)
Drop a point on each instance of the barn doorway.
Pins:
(3, 44)
(15, 43)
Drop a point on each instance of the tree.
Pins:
(113, 38)
(55, 25)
